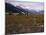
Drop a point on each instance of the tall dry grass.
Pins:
(17, 22)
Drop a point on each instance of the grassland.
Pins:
(16, 23)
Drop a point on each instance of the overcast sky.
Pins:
(27, 5)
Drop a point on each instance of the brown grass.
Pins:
(17, 22)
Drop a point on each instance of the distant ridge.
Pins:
(18, 9)
(10, 7)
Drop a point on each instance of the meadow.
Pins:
(24, 24)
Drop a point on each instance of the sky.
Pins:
(27, 5)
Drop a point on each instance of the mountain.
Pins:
(12, 8)
(17, 9)
(32, 11)
(41, 12)
(21, 9)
